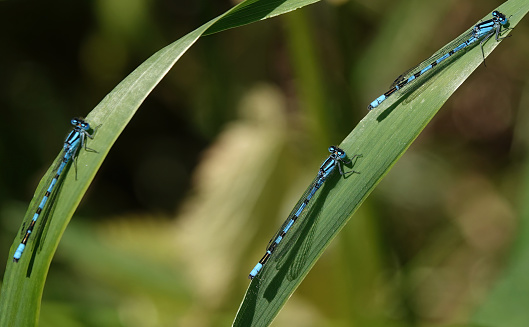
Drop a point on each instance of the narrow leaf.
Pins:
(381, 138)
(24, 281)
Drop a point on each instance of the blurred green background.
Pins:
(218, 154)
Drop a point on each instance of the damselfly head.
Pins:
(80, 123)
(499, 17)
(337, 152)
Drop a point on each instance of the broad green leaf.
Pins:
(24, 281)
(381, 138)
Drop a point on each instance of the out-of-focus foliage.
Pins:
(222, 149)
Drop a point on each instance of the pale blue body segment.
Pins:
(336, 158)
(482, 31)
(75, 140)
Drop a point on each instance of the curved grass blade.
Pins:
(20, 296)
(381, 138)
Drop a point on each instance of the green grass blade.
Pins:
(24, 281)
(381, 137)
(253, 10)
(507, 302)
